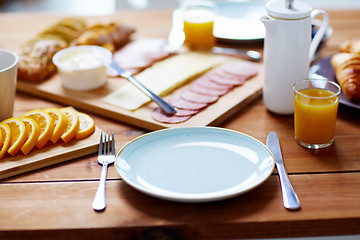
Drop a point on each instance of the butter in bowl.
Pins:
(80, 67)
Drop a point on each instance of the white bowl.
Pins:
(80, 67)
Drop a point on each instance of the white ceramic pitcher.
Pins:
(288, 50)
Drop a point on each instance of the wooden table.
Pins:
(55, 202)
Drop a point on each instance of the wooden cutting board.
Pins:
(49, 155)
(91, 101)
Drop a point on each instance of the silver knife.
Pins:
(108, 62)
(290, 198)
(176, 39)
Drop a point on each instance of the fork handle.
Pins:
(99, 202)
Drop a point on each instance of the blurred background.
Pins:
(101, 7)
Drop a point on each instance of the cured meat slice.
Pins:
(186, 112)
(179, 102)
(201, 89)
(158, 115)
(207, 83)
(226, 80)
(138, 55)
(196, 97)
(245, 69)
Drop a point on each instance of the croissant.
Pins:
(351, 46)
(347, 71)
(111, 36)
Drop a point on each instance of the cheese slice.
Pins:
(163, 77)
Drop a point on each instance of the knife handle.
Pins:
(290, 198)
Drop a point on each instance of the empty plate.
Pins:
(194, 164)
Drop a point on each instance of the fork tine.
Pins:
(100, 144)
(112, 144)
(108, 144)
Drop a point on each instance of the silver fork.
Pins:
(106, 156)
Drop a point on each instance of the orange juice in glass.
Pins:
(315, 109)
(198, 19)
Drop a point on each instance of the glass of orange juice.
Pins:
(315, 109)
(198, 19)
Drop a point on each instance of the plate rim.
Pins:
(190, 198)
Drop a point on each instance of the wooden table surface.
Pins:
(55, 202)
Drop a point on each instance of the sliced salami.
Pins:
(158, 115)
(196, 97)
(181, 103)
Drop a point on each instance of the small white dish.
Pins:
(80, 68)
(194, 164)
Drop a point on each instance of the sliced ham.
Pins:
(181, 103)
(186, 112)
(245, 69)
(158, 115)
(206, 90)
(138, 55)
(196, 97)
(206, 82)
(226, 80)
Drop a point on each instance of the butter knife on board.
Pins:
(290, 198)
(109, 62)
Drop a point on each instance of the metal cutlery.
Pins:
(106, 156)
(176, 39)
(290, 198)
(247, 54)
(108, 62)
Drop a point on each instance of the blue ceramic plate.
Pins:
(194, 164)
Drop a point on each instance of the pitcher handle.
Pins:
(320, 33)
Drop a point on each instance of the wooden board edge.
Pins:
(89, 147)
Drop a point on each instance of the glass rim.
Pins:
(337, 93)
(208, 4)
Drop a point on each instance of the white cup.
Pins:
(8, 76)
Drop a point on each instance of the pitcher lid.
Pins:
(278, 9)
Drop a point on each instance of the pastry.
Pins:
(111, 36)
(351, 46)
(35, 60)
(347, 71)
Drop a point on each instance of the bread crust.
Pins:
(347, 71)
(35, 60)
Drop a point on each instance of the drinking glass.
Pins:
(315, 110)
(198, 19)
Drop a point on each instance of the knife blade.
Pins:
(176, 39)
(108, 62)
(290, 198)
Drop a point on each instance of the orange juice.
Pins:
(315, 113)
(198, 28)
